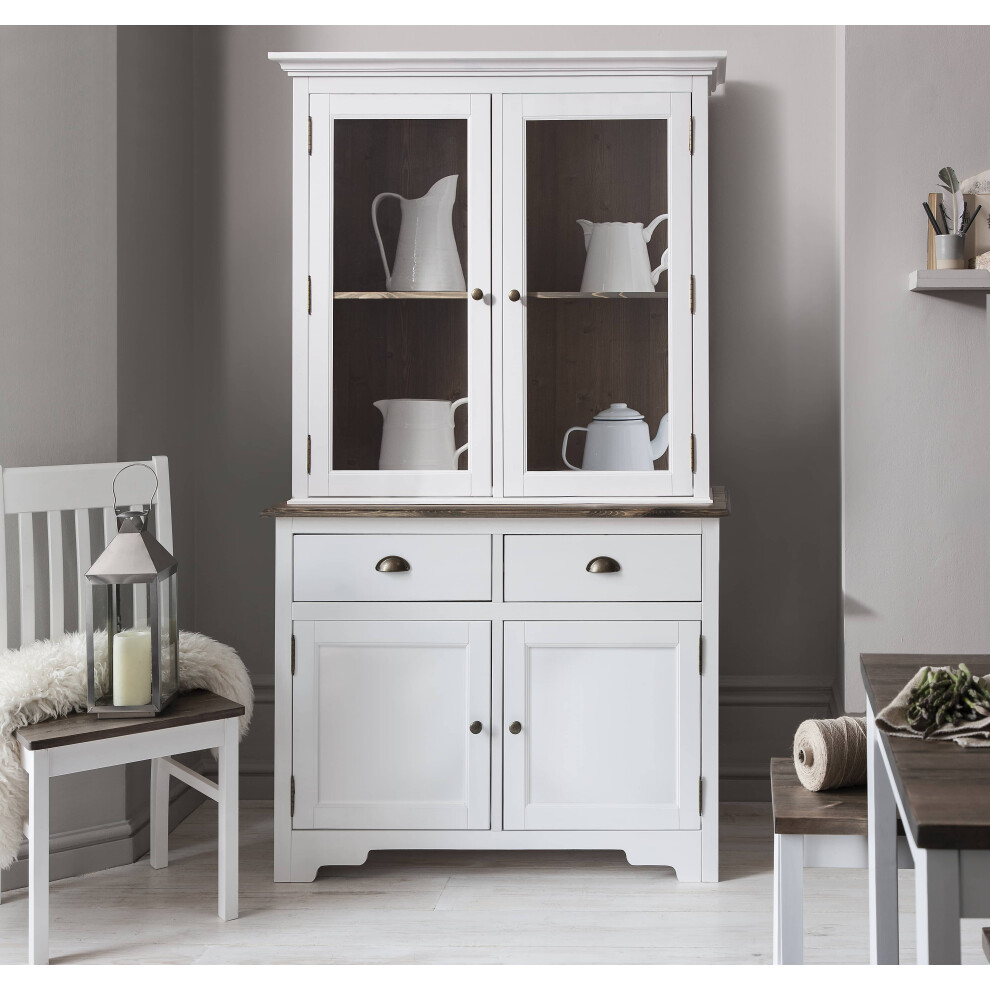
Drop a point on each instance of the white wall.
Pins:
(916, 368)
(775, 380)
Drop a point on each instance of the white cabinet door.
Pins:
(609, 733)
(382, 725)
(578, 341)
(391, 308)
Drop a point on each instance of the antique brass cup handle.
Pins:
(387, 565)
(603, 565)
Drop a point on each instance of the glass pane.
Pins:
(400, 355)
(129, 648)
(167, 599)
(596, 321)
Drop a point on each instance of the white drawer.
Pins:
(652, 568)
(342, 568)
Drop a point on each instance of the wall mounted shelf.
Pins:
(960, 280)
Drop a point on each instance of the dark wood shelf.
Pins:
(400, 295)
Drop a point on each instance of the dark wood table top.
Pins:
(507, 510)
(798, 811)
(944, 788)
(186, 709)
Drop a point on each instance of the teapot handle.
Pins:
(654, 223)
(378, 236)
(662, 267)
(563, 446)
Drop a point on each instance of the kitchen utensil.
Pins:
(418, 435)
(617, 259)
(426, 258)
(619, 440)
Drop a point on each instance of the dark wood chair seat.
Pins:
(186, 709)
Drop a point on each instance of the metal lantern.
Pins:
(132, 595)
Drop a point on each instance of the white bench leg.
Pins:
(227, 858)
(37, 767)
(788, 899)
(937, 907)
(882, 843)
(159, 814)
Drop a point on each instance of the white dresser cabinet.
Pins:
(480, 644)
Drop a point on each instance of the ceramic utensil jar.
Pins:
(617, 259)
(418, 435)
(619, 440)
(426, 258)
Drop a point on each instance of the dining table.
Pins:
(941, 792)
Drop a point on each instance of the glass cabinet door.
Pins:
(597, 318)
(400, 307)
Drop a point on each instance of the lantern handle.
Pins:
(113, 484)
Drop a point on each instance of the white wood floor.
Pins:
(451, 907)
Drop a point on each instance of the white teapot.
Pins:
(619, 440)
(617, 259)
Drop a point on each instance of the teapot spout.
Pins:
(660, 443)
(587, 226)
(382, 406)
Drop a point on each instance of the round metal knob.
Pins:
(389, 564)
(514, 295)
(477, 294)
(603, 565)
(515, 728)
(474, 728)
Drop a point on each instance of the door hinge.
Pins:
(694, 454)
(309, 139)
(690, 136)
(309, 453)
(292, 797)
(701, 646)
(701, 791)
(691, 294)
(293, 655)
(309, 295)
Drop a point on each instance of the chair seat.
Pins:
(186, 709)
(798, 811)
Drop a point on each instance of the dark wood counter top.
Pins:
(945, 788)
(506, 510)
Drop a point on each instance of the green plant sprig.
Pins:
(947, 697)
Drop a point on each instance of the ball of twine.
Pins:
(830, 752)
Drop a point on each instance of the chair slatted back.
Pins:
(51, 505)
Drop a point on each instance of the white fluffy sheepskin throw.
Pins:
(48, 678)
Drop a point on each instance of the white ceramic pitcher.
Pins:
(426, 258)
(617, 259)
(418, 435)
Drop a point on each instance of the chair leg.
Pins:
(37, 768)
(159, 814)
(788, 900)
(227, 858)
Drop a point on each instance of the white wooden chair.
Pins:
(59, 746)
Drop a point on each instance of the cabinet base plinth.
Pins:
(308, 850)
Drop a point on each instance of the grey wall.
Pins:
(775, 370)
(916, 368)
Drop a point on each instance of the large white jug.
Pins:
(426, 258)
(418, 434)
(617, 259)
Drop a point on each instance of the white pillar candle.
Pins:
(132, 667)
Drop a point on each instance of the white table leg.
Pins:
(937, 906)
(227, 859)
(159, 815)
(882, 832)
(788, 900)
(36, 763)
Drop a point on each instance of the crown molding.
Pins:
(711, 64)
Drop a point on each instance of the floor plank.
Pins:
(452, 907)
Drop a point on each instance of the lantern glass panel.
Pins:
(129, 648)
(169, 633)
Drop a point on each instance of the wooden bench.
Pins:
(811, 828)
(194, 721)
